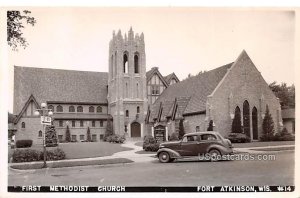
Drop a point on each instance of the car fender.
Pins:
(220, 148)
(172, 153)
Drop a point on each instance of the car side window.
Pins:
(192, 138)
(208, 137)
(184, 139)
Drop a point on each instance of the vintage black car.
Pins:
(195, 144)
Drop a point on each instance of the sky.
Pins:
(179, 40)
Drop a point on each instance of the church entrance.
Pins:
(246, 118)
(135, 129)
(254, 124)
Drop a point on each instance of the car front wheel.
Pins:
(164, 157)
(214, 155)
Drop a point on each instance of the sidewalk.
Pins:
(265, 149)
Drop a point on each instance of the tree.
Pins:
(89, 139)
(286, 94)
(268, 126)
(210, 126)
(109, 129)
(15, 26)
(181, 129)
(237, 124)
(68, 134)
(51, 137)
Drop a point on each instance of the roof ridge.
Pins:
(209, 71)
(57, 69)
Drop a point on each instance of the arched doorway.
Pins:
(254, 124)
(135, 129)
(246, 118)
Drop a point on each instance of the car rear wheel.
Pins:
(164, 157)
(214, 155)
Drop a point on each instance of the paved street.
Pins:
(153, 173)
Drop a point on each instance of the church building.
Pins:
(140, 102)
(218, 96)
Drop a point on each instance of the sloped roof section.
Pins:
(197, 88)
(58, 85)
(154, 70)
(170, 76)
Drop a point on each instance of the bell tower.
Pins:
(127, 96)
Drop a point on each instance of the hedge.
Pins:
(29, 155)
(23, 143)
(115, 139)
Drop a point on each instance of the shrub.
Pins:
(150, 143)
(29, 155)
(23, 143)
(284, 135)
(173, 137)
(236, 126)
(108, 131)
(238, 138)
(53, 155)
(210, 126)
(115, 139)
(68, 134)
(181, 129)
(26, 155)
(51, 138)
(268, 127)
(88, 134)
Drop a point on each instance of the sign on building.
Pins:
(160, 133)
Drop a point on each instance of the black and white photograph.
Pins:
(149, 99)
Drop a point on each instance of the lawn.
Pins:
(84, 149)
(90, 149)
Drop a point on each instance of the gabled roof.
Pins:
(152, 72)
(30, 99)
(58, 85)
(288, 113)
(194, 89)
(168, 108)
(171, 76)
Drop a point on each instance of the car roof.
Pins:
(202, 133)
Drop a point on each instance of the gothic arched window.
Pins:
(23, 125)
(99, 109)
(59, 108)
(125, 63)
(246, 118)
(112, 66)
(136, 63)
(91, 109)
(79, 109)
(127, 113)
(138, 109)
(51, 107)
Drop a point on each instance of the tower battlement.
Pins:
(127, 39)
